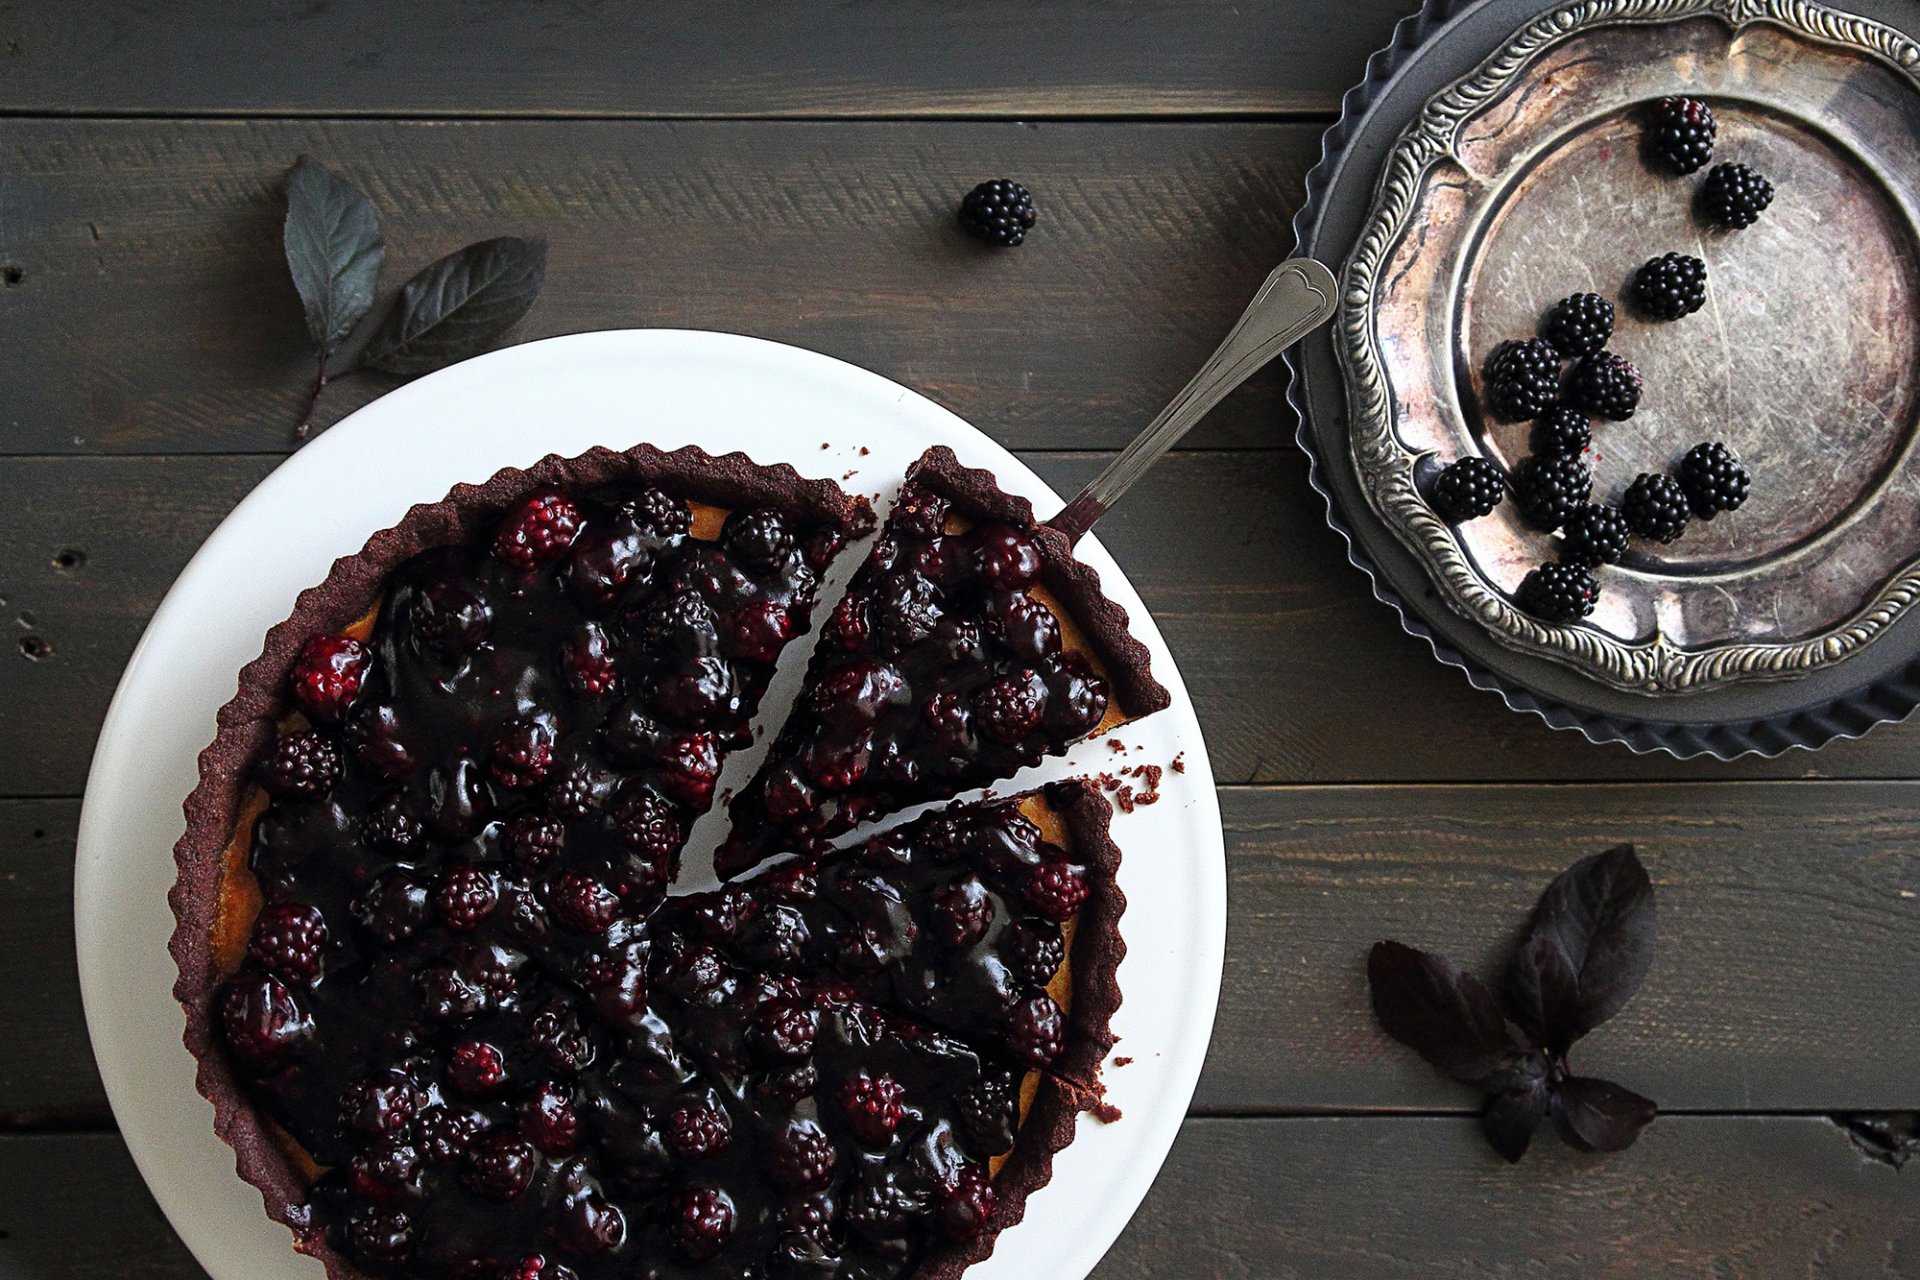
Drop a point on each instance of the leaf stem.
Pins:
(320, 381)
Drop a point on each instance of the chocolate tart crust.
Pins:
(1075, 585)
(264, 1156)
(1072, 1084)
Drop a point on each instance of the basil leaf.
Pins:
(459, 306)
(1511, 1120)
(1603, 1115)
(1599, 913)
(1445, 1015)
(333, 250)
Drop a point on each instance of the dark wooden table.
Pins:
(790, 171)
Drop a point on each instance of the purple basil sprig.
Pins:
(1583, 955)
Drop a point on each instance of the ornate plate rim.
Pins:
(1385, 467)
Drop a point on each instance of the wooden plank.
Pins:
(444, 57)
(46, 1072)
(1735, 1198)
(1783, 980)
(1297, 673)
(73, 1207)
(145, 306)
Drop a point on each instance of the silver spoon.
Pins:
(1295, 300)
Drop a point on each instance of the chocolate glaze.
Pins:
(646, 1014)
(900, 700)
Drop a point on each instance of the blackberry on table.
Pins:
(1548, 490)
(1670, 286)
(1656, 507)
(1595, 534)
(1680, 134)
(1558, 592)
(1734, 196)
(1606, 385)
(1579, 325)
(1713, 479)
(999, 212)
(1563, 433)
(1523, 379)
(1468, 488)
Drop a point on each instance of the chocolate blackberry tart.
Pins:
(448, 1015)
(970, 645)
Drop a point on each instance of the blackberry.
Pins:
(999, 212)
(659, 514)
(803, 1158)
(304, 763)
(327, 674)
(1467, 488)
(522, 755)
(1037, 1030)
(1680, 134)
(988, 1111)
(1034, 951)
(1056, 888)
(967, 1205)
(289, 939)
(701, 1221)
(1670, 286)
(1548, 490)
(1009, 709)
(1734, 196)
(1656, 507)
(465, 897)
(538, 530)
(1606, 385)
(1595, 534)
(1713, 479)
(1523, 379)
(1579, 325)
(1558, 592)
(391, 826)
(499, 1166)
(1564, 433)
(873, 1107)
(696, 1129)
(759, 539)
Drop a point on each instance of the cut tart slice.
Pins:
(468, 758)
(896, 1040)
(970, 645)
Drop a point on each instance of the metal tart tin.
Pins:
(1487, 166)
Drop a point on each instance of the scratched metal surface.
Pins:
(1804, 360)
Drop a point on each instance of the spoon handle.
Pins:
(1295, 300)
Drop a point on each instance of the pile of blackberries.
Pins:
(1565, 378)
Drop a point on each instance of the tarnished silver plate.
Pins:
(1523, 183)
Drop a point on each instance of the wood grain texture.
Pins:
(1297, 673)
(1783, 980)
(1728, 1198)
(1734, 1198)
(46, 1069)
(152, 310)
(661, 58)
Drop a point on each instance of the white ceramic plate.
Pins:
(510, 408)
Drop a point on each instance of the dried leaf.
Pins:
(459, 306)
(1448, 1017)
(1513, 1117)
(333, 250)
(1543, 993)
(1601, 1114)
(1600, 914)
